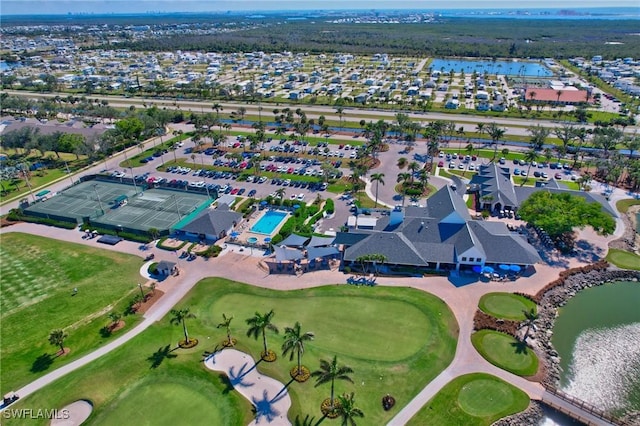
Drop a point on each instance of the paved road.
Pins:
(515, 126)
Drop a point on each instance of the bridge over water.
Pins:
(578, 409)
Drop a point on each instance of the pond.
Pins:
(597, 335)
(511, 68)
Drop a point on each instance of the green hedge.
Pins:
(16, 215)
(329, 206)
(163, 247)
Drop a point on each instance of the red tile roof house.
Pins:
(567, 97)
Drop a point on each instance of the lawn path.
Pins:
(269, 397)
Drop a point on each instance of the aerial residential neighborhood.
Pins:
(333, 216)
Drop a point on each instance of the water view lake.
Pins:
(513, 68)
(597, 335)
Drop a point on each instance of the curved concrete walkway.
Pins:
(269, 397)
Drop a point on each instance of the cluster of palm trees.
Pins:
(294, 339)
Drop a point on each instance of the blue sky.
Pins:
(10, 7)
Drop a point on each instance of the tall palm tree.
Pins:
(403, 178)
(530, 156)
(378, 178)
(259, 324)
(226, 323)
(329, 372)
(496, 133)
(56, 338)
(179, 317)
(348, 410)
(530, 318)
(480, 129)
(413, 167)
(217, 108)
(280, 192)
(294, 340)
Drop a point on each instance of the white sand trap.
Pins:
(269, 396)
(76, 413)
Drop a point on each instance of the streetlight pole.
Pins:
(68, 171)
(141, 292)
(98, 195)
(177, 207)
(25, 171)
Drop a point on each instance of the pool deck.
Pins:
(245, 227)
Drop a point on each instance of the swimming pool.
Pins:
(513, 68)
(268, 223)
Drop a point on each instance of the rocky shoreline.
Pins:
(557, 297)
(540, 339)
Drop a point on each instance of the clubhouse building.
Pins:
(440, 236)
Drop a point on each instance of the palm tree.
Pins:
(280, 192)
(179, 317)
(413, 167)
(217, 108)
(378, 178)
(294, 343)
(226, 323)
(340, 112)
(56, 338)
(529, 156)
(496, 134)
(347, 410)
(329, 372)
(258, 324)
(530, 317)
(480, 129)
(403, 178)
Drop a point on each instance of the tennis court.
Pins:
(117, 206)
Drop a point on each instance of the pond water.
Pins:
(597, 335)
(513, 68)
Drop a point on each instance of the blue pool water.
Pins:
(530, 69)
(268, 223)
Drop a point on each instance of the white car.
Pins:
(300, 196)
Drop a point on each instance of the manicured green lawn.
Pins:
(183, 400)
(395, 339)
(623, 205)
(506, 305)
(506, 352)
(624, 259)
(473, 399)
(38, 278)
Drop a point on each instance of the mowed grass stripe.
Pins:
(37, 298)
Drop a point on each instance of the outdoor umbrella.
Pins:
(263, 203)
(515, 268)
(488, 270)
(477, 269)
(234, 234)
(267, 240)
(503, 267)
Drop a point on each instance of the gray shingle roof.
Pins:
(394, 246)
(212, 222)
(495, 181)
(501, 246)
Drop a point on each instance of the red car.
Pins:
(234, 191)
(441, 164)
(558, 176)
(290, 170)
